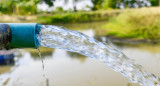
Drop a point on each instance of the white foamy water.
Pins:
(61, 38)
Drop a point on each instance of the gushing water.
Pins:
(61, 38)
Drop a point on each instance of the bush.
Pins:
(108, 4)
(154, 2)
(59, 9)
(73, 17)
(23, 7)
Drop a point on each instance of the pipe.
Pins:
(20, 35)
(5, 36)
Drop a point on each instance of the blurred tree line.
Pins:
(29, 7)
(112, 4)
(21, 6)
(18, 6)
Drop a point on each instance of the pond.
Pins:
(63, 68)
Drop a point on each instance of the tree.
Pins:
(97, 4)
(109, 4)
(49, 2)
(22, 6)
(27, 7)
(7, 6)
(155, 2)
(136, 3)
(19, 6)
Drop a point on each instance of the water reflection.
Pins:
(64, 71)
(45, 52)
(80, 57)
(153, 48)
(132, 84)
(103, 39)
(5, 68)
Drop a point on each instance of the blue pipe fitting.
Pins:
(24, 35)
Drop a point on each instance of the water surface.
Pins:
(71, 69)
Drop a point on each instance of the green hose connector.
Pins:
(23, 35)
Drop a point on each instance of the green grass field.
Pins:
(143, 23)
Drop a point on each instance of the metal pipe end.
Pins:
(5, 36)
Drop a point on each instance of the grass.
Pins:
(61, 17)
(76, 17)
(141, 23)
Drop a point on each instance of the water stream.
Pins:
(44, 74)
(41, 61)
(61, 38)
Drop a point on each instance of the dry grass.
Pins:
(17, 19)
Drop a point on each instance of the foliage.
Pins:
(29, 7)
(155, 2)
(138, 23)
(59, 9)
(107, 4)
(49, 2)
(75, 17)
(18, 6)
(97, 4)
(22, 7)
(133, 3)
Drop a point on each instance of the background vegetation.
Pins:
(140, 23)
(29, 7)
(136, 23)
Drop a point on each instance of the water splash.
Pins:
(62, 38)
